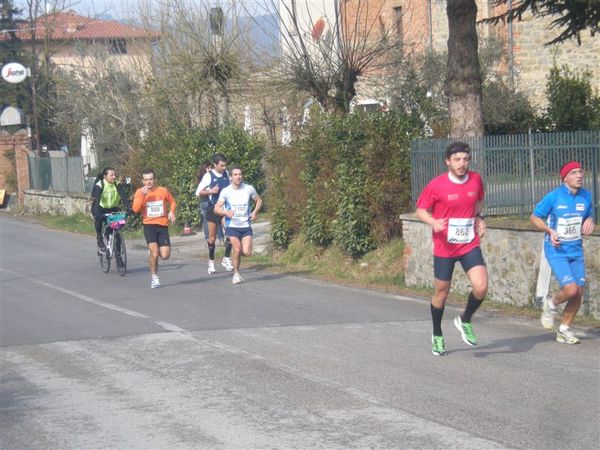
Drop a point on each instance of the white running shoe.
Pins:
(211, 267)
(548, 314)
(566, 337)
(227, 264)
(237, 278)
(155, 283)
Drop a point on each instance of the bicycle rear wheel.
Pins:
(121, 253)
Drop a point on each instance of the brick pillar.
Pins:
(21, 145)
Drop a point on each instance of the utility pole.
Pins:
(217, 24)
(33, 67)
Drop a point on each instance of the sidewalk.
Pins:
(194, 245)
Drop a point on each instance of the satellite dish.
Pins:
(318, 28)
(12, 116)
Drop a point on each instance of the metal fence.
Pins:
(59, 174)
(518, 170)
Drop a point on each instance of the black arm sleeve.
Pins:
(96, 193)
(123, 194)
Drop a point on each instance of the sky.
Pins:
(119, 9)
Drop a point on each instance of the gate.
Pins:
(517, 170)
(59, 174)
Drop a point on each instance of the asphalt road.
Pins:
(95, 361)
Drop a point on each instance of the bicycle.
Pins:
(114, 243)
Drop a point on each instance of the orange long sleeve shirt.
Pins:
(153, 206)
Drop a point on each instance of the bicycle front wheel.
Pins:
(121, 253)
(104, 258)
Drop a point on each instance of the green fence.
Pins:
(59, 174)
(518, 170)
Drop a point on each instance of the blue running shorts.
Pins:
(238, 232)
(567, 268)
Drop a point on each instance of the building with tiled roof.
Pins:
(74, 41)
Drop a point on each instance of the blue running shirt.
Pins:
(565, 213)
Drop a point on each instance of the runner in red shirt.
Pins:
(451, 205)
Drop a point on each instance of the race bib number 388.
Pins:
(461, 231)
(155, 209)
(568, 229)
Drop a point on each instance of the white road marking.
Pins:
(94, 301)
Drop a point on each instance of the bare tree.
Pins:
(198, 57)
(110, 102)
(464, 79)
(38, 34)
(324, 56)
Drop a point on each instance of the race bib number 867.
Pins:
(461, 231)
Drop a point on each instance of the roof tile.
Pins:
(71, 26)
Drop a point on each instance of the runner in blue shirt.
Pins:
(565, 215)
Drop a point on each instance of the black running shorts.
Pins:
(443, 268)
(157, 234)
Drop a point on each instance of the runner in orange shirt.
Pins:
(151, 201)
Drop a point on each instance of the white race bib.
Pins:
(239, 210)
(155, 209)
(568, 229)
(461, 231)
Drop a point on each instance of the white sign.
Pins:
(14, 72)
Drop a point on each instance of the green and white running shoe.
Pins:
(438, 347)
(466, 331)
(567, 337)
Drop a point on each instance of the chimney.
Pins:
(71, 23)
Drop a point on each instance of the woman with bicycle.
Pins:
(107, 196)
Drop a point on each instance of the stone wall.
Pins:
(38, 202)
(533, 59)
(513, 260)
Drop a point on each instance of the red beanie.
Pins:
(571, 165)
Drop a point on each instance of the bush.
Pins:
(343, 181)
(318, 156)
(283, 173)
(572, 104)
(176, 155)
(506, 111)
(11, 177)
(387, 159)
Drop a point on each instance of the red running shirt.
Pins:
(455, 202)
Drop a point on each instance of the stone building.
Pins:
(74, 42)
(423, 25)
